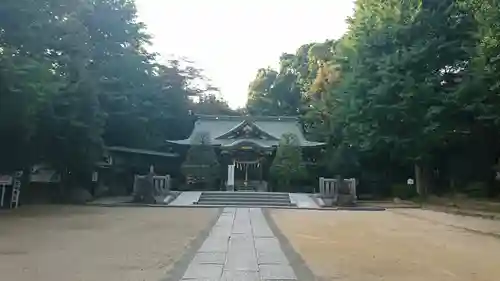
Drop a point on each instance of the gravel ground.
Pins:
(48, 243)
(395, 245)
(485, 226)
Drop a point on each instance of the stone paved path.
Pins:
(186, 198)
(303, 200)
(241, 247)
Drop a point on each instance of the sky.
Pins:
(231, 39)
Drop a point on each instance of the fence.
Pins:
(15, 183)
(329, 190)
(351, 183)
(161, 184)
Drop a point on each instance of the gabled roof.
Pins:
(271, 128)
(140, 151)
(242, 126)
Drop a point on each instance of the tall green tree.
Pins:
(287, 165)
(275, 93)
(212, 104)
(410, 84)
(201, 164)
(75, 75)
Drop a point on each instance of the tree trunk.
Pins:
(63, 186)
(421, 179)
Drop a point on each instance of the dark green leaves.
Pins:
(75, 74)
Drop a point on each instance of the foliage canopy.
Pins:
(411, 83)
(287, 165)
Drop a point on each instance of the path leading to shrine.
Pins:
(240, 247)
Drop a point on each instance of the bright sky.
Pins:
(232, 39)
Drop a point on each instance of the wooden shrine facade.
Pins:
(247, 143)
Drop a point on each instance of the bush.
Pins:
(287, 166)
(404, 191)
(476, 190)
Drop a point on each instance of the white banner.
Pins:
(5, 180)
(230, 175)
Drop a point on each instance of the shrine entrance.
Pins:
(248, 164)
(246, 172)
(245, 145)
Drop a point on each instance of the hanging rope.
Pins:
(242, 164)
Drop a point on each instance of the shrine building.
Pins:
(246, 145)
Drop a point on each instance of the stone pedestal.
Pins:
(328, 201)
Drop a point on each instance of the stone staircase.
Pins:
(243, 198)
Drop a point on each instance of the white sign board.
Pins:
(230, 175)
(5, 180)
(410, 181)
(95, 176)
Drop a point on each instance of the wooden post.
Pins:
(321, 185)
(260, 171)
(419, 180)
(246, 175)
(3, 187)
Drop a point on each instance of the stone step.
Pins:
(244, 199)
(245, 193)
(217, 198)
(244, 203)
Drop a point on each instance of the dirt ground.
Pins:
(50, 243)
(396, 245)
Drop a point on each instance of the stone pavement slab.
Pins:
(276, 272)
(210, 258)
(239, 275)
(214, 244)
(203, 272)
(220, 232)
(303, 200)
(186, 198)
(267, 244)
(271, 258)
(238, 261)
(240, 247)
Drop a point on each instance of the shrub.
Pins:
(476, 190)
(287, 166)
(404, 191)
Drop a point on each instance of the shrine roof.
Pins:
(230, 131)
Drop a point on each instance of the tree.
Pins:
(260, 97)
(410, 84)
(75, 75)
(27, 79)
(274, 93)
(201, 164)
(401, 59)
(287, 165)
(212, 104)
